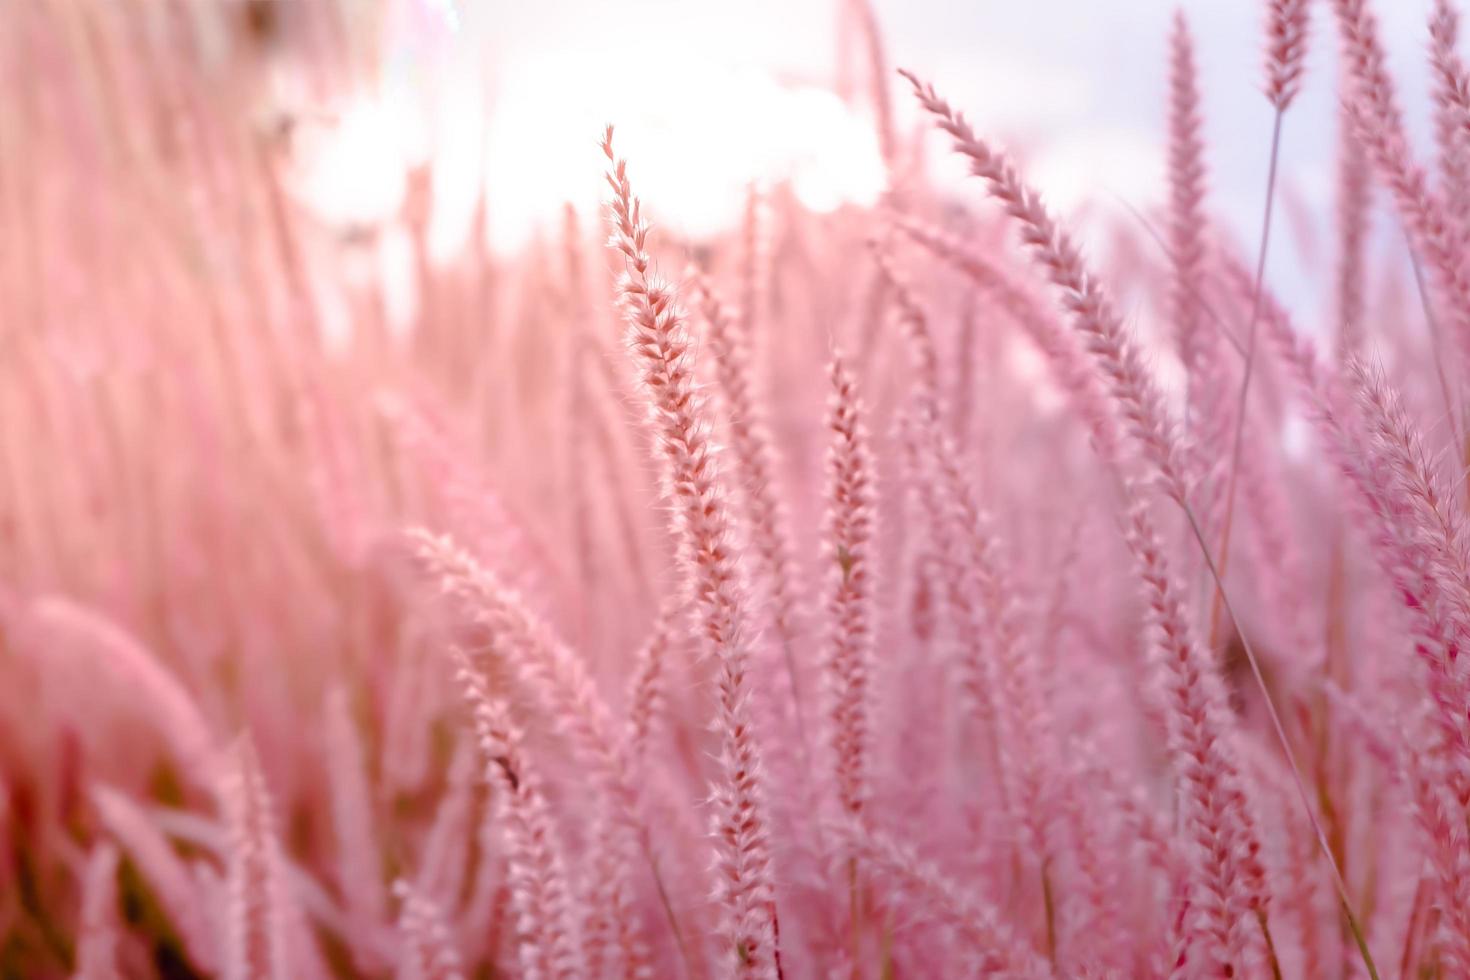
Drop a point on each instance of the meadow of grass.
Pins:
(894, 591)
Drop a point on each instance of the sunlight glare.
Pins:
(697, 148)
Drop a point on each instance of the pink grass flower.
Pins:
(1115, 352)
(256, 925)
(849, 529)
(658, 340)
(1286, 50)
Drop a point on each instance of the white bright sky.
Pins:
(708, 95)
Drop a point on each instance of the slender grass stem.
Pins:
(1296, 773)
(1238, 438)
(1437, 345)
(1049, 901)
(1264, 920)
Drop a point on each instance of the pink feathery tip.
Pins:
(1211, 394)
(1068, 361)
(1451, 115)
(540, 890)
(1187, 222)
(1214, 813)
(659, 342)
(1427, 549)
(1116, 354)
(1379, 124)
(850, 506)
(1354, 200)
(525, 648)
(1416, 534)
(1286, 50)
(257, 919)
(1453, 92)
(519, 639)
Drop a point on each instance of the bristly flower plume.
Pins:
(659, 342)
(850, 507)
(1286, 50)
